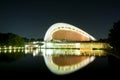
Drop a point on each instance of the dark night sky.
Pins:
(31, 19)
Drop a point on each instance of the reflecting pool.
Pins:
(32, 63)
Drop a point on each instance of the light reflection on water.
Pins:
(33, 62)
(33, 58)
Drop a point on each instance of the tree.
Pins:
(113, 37)
(10, 39)
(15, 40)
(114, 41)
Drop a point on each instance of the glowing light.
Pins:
(10, 50)
(35, 52)
(56, 31)
(85, 49)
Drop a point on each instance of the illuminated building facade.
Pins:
(67, 48)
(63, 32)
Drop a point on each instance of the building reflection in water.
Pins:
(72, 56)
(67, 48)
(64, 58)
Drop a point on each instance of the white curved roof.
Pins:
(65, 26)
(66, 69)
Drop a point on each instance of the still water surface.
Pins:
(30, 65)
(33, 65)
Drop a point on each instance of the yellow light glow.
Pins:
(85, 49)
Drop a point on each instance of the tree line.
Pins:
(11, 39)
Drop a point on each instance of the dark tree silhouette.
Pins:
(114, 41)
(10, 39)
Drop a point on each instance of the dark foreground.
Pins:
(98, 70)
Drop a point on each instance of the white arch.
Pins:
(66, 69)
(64, 26)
